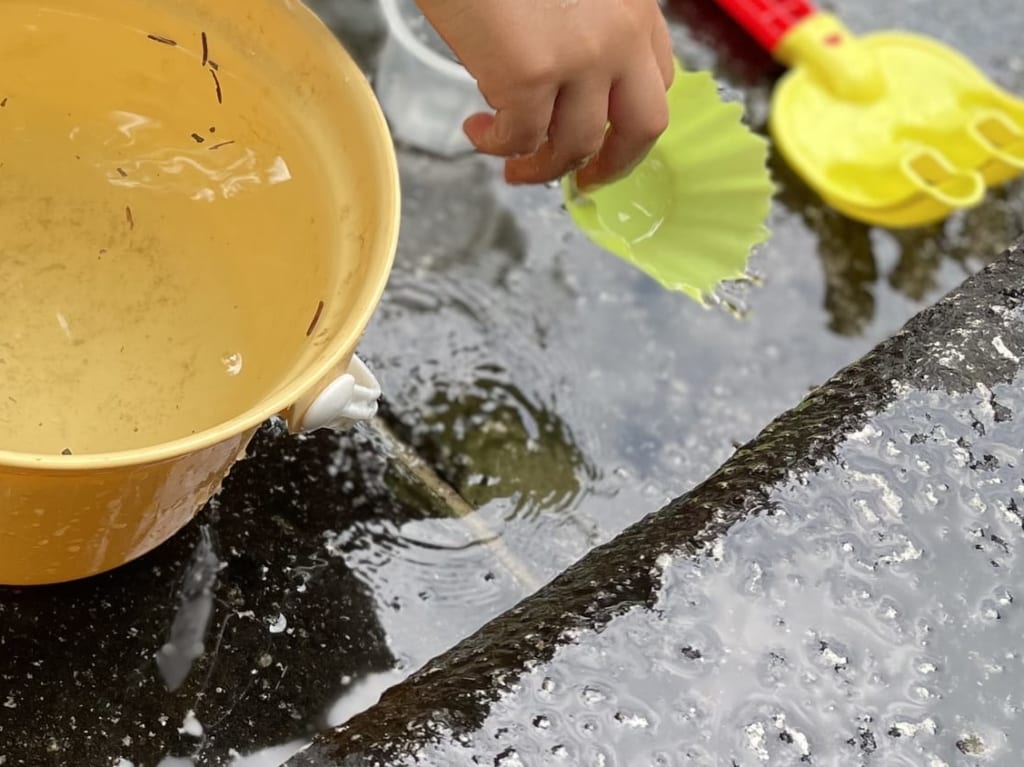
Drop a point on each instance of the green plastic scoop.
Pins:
(690, 212)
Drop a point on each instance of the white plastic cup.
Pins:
(424, 91)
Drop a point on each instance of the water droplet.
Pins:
(635, 721)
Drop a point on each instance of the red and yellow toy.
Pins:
(890, 128)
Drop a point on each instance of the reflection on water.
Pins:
(360, 695)
(495, 443)
(269, 757)
(856, 258)
(489, 411)
(858, 261)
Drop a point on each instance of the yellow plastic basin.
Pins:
(199, 210)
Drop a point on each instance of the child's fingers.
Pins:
(577, 131)
(638, 111)
(517, 129)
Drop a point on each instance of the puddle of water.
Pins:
(645, 393)
(829, 629)
(497, 444)
(434, 581)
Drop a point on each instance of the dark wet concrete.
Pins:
(560, 396)
(842, 591)
(80, 683)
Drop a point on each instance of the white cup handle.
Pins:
(349, 399)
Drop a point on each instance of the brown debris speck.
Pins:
(197, 138)
(163, 40)
(122, 172)
(66, 451)
(3, 102)
(216, 82)
(222, 143)
(206, 49)
(316, 319)
(128, 215)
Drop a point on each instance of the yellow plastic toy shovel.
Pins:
(891, 129)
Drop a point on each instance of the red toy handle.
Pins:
(768, 21)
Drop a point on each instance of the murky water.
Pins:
(144, 223)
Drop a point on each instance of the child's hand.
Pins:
(557, 72)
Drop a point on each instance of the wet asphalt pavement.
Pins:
(540, 397)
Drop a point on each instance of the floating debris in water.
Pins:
(216, 83)
(316, 319)
(162, 40)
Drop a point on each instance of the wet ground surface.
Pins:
(842, 591)
(541, 396)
